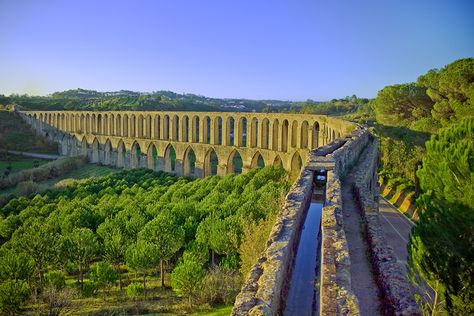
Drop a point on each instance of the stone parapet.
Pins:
(397, 293)
(264, 291)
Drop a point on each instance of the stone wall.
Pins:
(397, 295)
(264, 291)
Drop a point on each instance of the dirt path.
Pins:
(362, 280)
(33, 155)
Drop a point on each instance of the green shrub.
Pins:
(28, 188)
(89, 289)
(12, 295)
(135, 290)
(55, 279)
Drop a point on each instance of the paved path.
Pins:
(362, 279)
(34, 155)
(397, 228)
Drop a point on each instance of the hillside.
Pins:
(81, 99)
(15, 134)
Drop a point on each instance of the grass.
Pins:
(160, 301)
(87, 171)
(18, 163)
(16, 134)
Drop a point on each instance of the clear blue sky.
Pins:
(291, 50)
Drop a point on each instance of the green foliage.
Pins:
(55, 279)
(220, 286)
(135, 290)
(440, 247)
(452, 90)
(186, 279)
(448, 169)
(402, 104)
(103, 274)
(336, 106)
(135, 217)
(16, 134)
(12, 295)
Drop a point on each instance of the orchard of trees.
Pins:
(191, 232)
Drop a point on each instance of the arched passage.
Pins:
(229, 133)
(242, 132)
(135, 156)
(170, 159)
(189, 162)
(133, 129)
(210, 163)
(218, 130)
(185, 129)
(277, 162)
(257, 161)
(125, 126)
(234, 163)
(152, 157)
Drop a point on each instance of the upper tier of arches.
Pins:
(282, 132)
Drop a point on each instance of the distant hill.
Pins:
(81, 99)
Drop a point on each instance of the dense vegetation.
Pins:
(102, 231)
(16, 134)
(336, 106)
(441, 105)
(407, 114)
(441, 247)
(81, 99)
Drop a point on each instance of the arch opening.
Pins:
(234, 163)
(189, 163)
(211, 163)
(170, 159)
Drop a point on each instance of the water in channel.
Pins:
(303, 294)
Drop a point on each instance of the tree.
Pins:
(115, 249)
(186, 279)
(38, 242)
(12, 295)
(402, 104)
(448, 169)
(103, 274)
(83, 246)
(142, 256)
(452, 90)
(167, 235)
(440, 246)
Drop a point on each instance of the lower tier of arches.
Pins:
(180, 158)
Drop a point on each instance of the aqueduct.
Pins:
(199, 144)
(189, 143)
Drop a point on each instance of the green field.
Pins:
(18, 163)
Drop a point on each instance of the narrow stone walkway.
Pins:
(362, 280)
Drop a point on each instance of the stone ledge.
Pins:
(397, 293)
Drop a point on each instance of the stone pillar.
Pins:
(221, 170)
(199, 169)
(213, 130)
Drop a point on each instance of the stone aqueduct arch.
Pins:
(189, 143)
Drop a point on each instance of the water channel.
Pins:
(303, 294)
